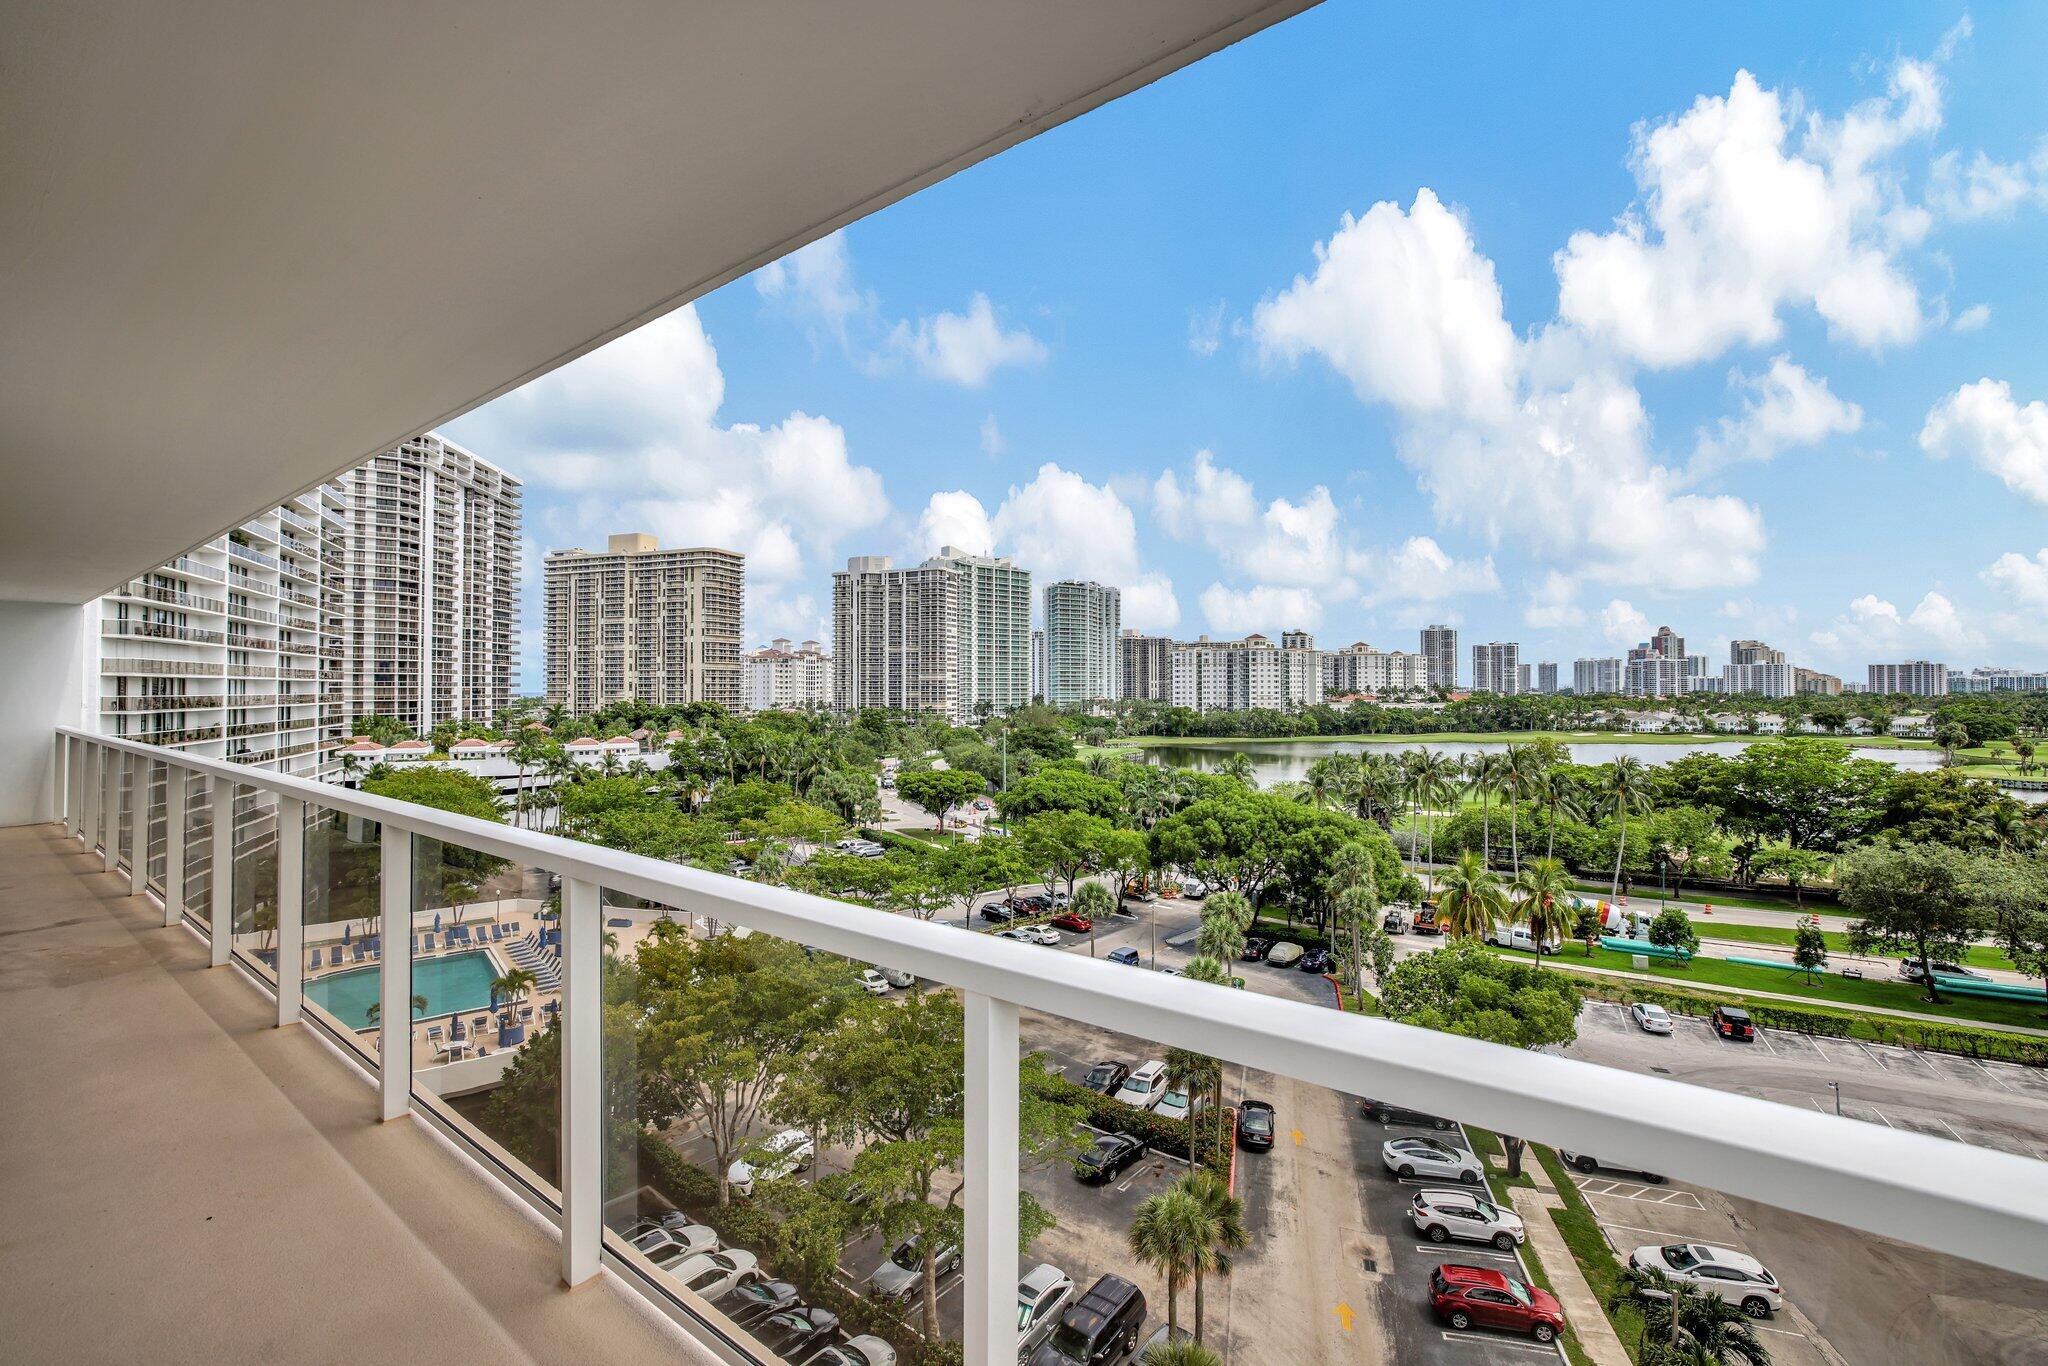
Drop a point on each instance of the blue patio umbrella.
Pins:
(346, 932)
(437, 920)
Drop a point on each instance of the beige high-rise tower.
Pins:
(636, 621)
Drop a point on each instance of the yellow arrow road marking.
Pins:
(1297, 1138)
(1343, 1312)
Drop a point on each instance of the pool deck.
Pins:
(185, 1182)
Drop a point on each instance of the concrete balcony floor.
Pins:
(184, 1182)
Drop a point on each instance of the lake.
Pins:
(1279, 761)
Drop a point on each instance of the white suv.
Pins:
(1735, 1276)
(1442, 1215)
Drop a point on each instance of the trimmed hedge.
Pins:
(1834, 1024)
(1291, 934)
(1169, 1136)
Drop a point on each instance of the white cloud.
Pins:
(1874, 628)
(965, 348)
(1420, 571)
(1982, 423)
(2022, 580)
(1541, 443)
(1553, 604)
(817, 281)
(1782, 408)
(1059, 526)
(1971, 319)
(1402, 307)
(1737, 223)
(1205, 329)
(992, 442)
(1213, 503)
(628, 438)
(1986, 188)
(1264, 608)
(1622, 624)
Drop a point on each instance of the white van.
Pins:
(1144, 1087)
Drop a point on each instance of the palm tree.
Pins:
(1234, 907)
(1544, 891)
(1694, 1327)
(1558, 796)
(1168, 1233)
(1220, 936)
(373, 1013)
(2023, 750)
(1523, 772)
(1192, 1074)
(1626, 787)
(1185, 1352)
(1239, 766)
(1373, 786)
(1093, 901)
(1223, 1227)
(512, 985)
(1317, 784)
(1204, 968)
(1482, 779)
(1470, 898)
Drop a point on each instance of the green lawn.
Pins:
(1829, 991)
(1982, 956)
(1590, 1249)
(1584, 737)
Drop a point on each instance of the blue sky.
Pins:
(1557, 328)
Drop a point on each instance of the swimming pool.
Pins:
(455, 982)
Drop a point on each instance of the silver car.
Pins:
(1650, 1018)
(1441, 1216)
(865, 1350)
(1406, 1157)
(902, 1273)
(711, 1274)
(1041, 1295)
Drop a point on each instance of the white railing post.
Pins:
(175, 780)
(220, 862)
(582, 1074)
(74, 789)
(138, 825)
(394, 1025)
(64, 784)
(291, 908)
(89, 796)
(110, 807)
(990, 1174)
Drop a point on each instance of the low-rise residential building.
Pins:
(1359, 669)
(1815, 682)
(1239, 675)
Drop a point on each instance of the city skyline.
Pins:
(1030, 360)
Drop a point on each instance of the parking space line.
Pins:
(1654, 1233)
(1873, 1057)
(1464, 1250)
(1950, 1127)
(1781, 1332)
(1762, 1038)
(1451, 1335)
(1880, 1114)
(1921, 1058)
(1989, 1073)
(1818, 1049)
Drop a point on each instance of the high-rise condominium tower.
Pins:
(1145, 667)
(1440, 648)
(896, 636)
(1082, 623)
(1497, 667)
(995, 630)
(1920, 677)
(433, 578)
(233, 650)
(659, 626)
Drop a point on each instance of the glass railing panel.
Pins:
(198, 906)
(796, 1110)
(343, 914)
(124, 789)
(487, 988)
(161, 776)
(255, 886)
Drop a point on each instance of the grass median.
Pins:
(1981, 956)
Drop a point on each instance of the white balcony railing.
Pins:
(1969, 1202)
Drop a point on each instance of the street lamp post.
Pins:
(1836, 1087)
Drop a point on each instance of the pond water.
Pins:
(1278, 761)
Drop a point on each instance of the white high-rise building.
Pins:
(1983, 679)
(787, 678)
(1546, 677)
(1919, 677)
(1239, 675)
(896, 637)
(1359, 668)
(1440, 648)
(1038, 665)
(995, 630)
(233, 650)
(636, 621)
(1768, 680)
(1082, 623)
(433, 579)
(1497, 667)
(1591, 677)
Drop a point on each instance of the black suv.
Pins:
(1106, 1077)
(1100, 1327)
(1386, 1112)
(1254, 949)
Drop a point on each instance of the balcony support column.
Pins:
(220, 861)
(394, 1037)
(990, 1174)
(110, 807)
(138, 825)
(291, 908)
(65, 783)
(582, 1022)
(88, 794)
(174, 844)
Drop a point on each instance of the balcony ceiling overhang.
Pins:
(244, 245)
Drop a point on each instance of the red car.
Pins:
(1077, 924)
(1475, 1296)
(1731, 1022)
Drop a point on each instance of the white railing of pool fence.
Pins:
(1966, 1201)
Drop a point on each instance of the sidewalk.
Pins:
(1581, 1308)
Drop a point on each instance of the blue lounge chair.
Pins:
(334, 956)
(427, 940)
(356, 952)
(415, 943)
(314, 966)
